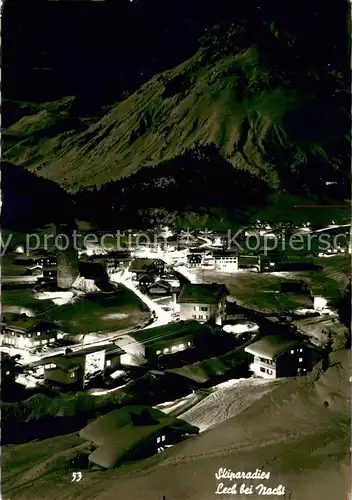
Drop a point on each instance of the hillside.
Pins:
(24, 195)
(235, 93)
(299, 432)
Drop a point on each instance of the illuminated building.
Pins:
(27, 333)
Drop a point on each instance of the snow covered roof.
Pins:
(162, 283)
(271, 347)
(121, 431)
(25, 324)
(65, 364)
(157, 336)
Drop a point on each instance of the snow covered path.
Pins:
(163, 317)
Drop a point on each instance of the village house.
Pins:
(75, 368)
(203, 302)
(195, 256)
(142, 266)
(112, 262)
(146, 280)
(275, 356)
(173, 280)
(148, 344)
(225, 261)
(62, 371)
(132, 433)
(208, 261)
(27, 333)
(160, 287)
(194, 260)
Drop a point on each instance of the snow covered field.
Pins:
(227, 400)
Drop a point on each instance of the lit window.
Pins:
(108, 362)
(174, 348)
(158, 351)
(44, 341)
(29, 335)
(300, 360)
(38, 333)
(52, 340)
(181, 346)
(73, 375)
(158, 439)
(166, 350)
(189, 344)
(163, 438)
(301, 350)
(7, 373)
(292, 351)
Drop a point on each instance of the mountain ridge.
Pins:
(237, 98)
(229, 101)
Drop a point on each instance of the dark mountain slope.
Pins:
(250, 89)
(29, 201)
(269, 93)
(198, 188)
(257, 121)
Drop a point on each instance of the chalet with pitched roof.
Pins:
(132, 433)
(275, 356)
(194, 260)
(26, 333)
(112, 262)
(143, 266)
(225, 261)
(75, 368)
(203, 302)
(159, 288)
(149, 344)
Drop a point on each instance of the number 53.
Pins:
(76, 476)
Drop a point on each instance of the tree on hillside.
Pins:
(10, 368)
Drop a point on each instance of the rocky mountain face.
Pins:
(269, 97)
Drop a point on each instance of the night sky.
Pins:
(97, 50)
